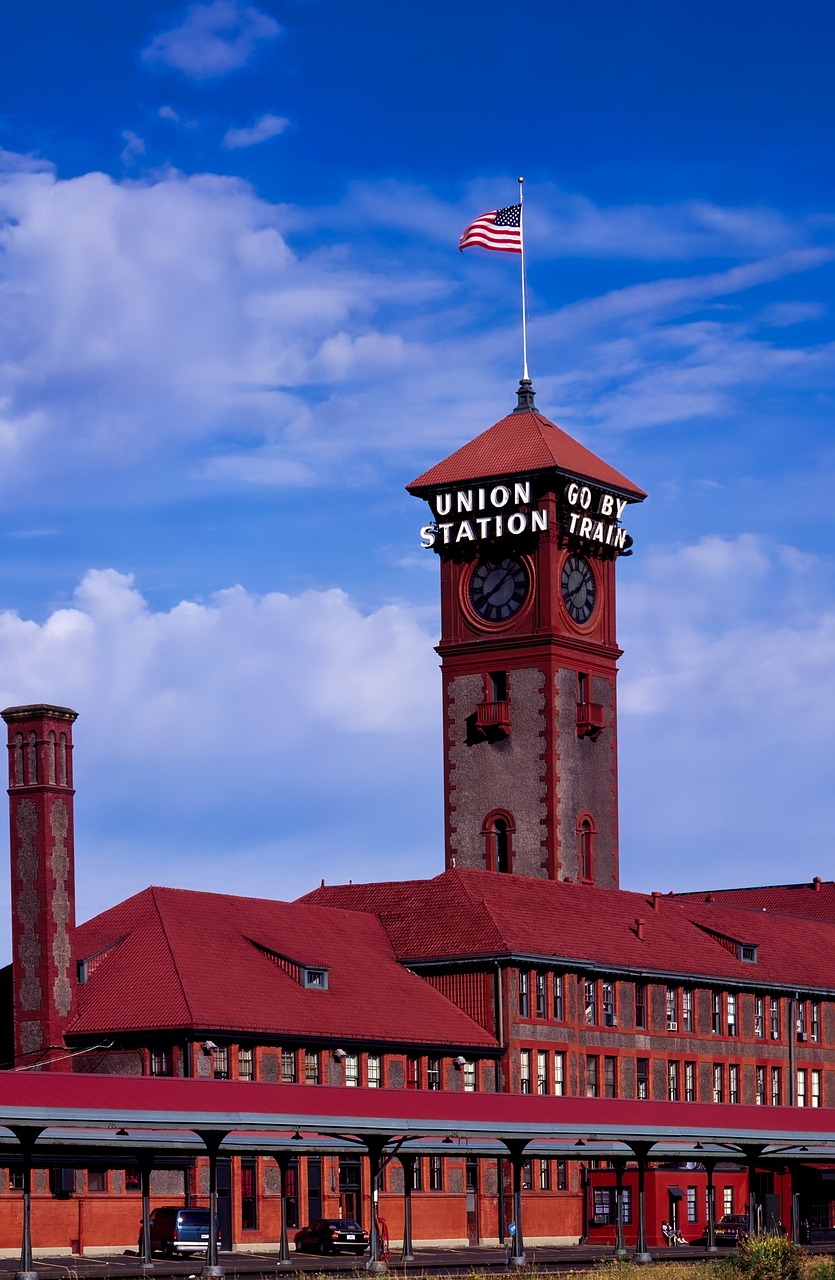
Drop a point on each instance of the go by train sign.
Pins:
(490, 512)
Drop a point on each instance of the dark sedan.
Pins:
(332, 1235)
(732, 1228)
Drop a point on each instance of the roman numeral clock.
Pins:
(528, 525)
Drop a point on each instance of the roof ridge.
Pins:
(171, 950)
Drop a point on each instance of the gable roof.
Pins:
(467, 913)
(215, 962)
(523, 442)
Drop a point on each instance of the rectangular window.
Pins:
(133, 1182)
(800, 1023)
(733, 1082)
(413, 1073)
(718, 1082)
(608, 999)
(220, 1062)
(610, 1077)
(527, 1175)
(541, 995)
(642, 1077)
(732, 1023)
(375, 1071)
(246, 1064)
(592, 1075)
(759, 1017)
(161, 1064)
(728, 1200)
(687, 1011)
(590, 1001)
(603, 1205)
(542, 1071)
(689, 1082)
(775, 1017)
(559, 997)
(436, 1173)
(641, 1005)
(801, 1087)
(545, 1175)
(352, 1071)
(776, 1087)
(562, 1175)
(15, 1179)
(672, 1009)
(672, 1082)
(249, 1198)
(815, 1092)
(417, 1184)
(498, 686)
(559, 1074)
(759, 1094)
(815, 1020)
(626, 1206)
(692, 1205)
(716, 1013)
(97, 1180)
(288, 1066)
(311, 1066)
(524, 994)
(470, 1077)
(525, 1070)
(433, 1073)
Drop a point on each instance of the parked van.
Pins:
(177, 1230)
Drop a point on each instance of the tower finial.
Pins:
(525, 396)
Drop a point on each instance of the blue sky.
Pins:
(234, 323)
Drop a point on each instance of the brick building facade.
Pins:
(522, 967)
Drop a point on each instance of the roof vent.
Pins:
(816, 884)
(525, 396)
(656, 900)
(639, 927)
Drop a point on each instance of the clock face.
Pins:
(498, 589)
(579, 590)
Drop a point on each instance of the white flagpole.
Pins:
(524, 299)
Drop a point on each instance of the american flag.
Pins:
(499, 229)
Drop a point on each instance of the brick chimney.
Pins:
(43, 879)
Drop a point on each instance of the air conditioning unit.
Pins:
(610, 1019)
(672, 1026)
(802, 1037)
(775, 1035)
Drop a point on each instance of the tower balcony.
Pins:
(493, 718)
(590, 719)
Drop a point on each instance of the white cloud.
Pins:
(213, 39)
(267, 717)
(265, 127)
(134, 147)
(726, 713)
(168, 113)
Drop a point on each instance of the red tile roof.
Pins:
(521, 443)
(182, 959)
(807, 900)
(476, 913)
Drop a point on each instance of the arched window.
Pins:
(33, 758)
(62, 759)
(498, 828)
(50, 758)
(585, 847)
(18, 760)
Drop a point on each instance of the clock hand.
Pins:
(494, 591)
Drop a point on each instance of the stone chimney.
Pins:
(43, 880)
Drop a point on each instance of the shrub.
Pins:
(768, 1257)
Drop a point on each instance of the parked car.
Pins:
(178, 1230)
(329, 1235)
(732, 1228)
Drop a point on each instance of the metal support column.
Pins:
(376, 1263)
(408, 1164)
(620, 1248)
(211, 1141)
(283, 1161)
(27, 1137)
(642, 1254)
(517, 1244)
(710, 1165)
(145, 1160)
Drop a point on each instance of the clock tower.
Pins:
(528, 526)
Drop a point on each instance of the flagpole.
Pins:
(524, 299)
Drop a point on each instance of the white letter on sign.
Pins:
(607, 504)
(500, 495)
(571, 494)
(427, 535)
